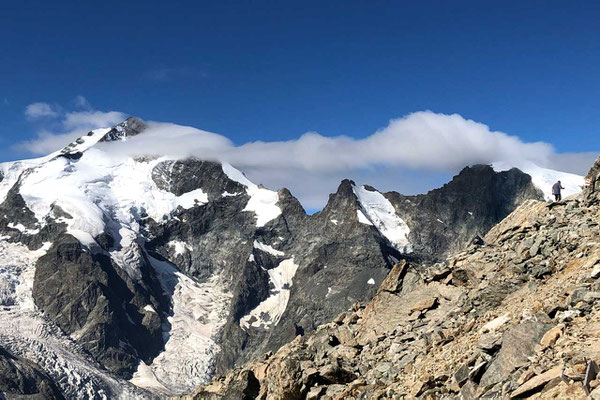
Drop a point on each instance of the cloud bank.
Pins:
(411, 154)
(421, 140)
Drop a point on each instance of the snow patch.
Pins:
(334, 221)
(362, 218)
(21, 228)
(263, 202)
(144, 377)
(378, 211)
(179, 247)
(268, 249)
(371, 281)
(269, 311)
(190, 199)
(149, 308)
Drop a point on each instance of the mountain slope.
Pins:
(513, 316)
(157, 271)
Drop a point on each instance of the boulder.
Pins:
(393, 282)
(518, 343)
(551, 336)
(425, 304)
(592, 191)
(537, 381)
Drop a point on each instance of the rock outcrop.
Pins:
(22, 379)
(100, 306)
(592, 191)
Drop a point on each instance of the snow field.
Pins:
(376, 210)
(269, 311)
(263, 202)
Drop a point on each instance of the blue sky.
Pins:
(271, 71)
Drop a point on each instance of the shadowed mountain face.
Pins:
(165, 271)
(20, 378)
(444, 220)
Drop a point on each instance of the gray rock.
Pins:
(87, 294)
(591, 297)
(130, 127)
(462, 374)
(518, 343)
(490, 342)
(22, 379)
(577, 295)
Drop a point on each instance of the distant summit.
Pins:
(132, 126)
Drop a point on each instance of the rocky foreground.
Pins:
(515, 315)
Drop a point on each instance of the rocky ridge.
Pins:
(516, 314)
(444, 220)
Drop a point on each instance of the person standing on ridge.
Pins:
(556, 188)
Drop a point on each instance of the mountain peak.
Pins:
(132, 126)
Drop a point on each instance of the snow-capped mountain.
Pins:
(142, 276)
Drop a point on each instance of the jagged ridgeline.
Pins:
(514, 315)
(144, 275)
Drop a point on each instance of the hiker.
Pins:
(556, 191)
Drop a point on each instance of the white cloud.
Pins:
(575, 163)
(412, 154)
(424, 144)
(74, 125)
(81, 102)
(92, 119)
(68, 125)
(422, 140)
(39, 110)
(47, 142)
